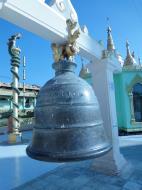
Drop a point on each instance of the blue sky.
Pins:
(125, 21)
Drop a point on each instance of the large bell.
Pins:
(68, 123)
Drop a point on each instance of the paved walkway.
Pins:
(3, 130)
(80, 176)
(16, 168)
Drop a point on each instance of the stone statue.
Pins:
(70, 48)
(12, 44)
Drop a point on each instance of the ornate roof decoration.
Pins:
(120, 58)
(129, 60)
(111, 52)
(84, 29)
(139, 60)
(133, 54)
(84, 72)
(65, 8)
(110, 46)
(69, 49)
(110, 43)
(139, 64)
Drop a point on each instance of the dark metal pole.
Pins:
(24, 78)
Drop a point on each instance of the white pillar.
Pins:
(102, 72)
(10, 103)
(42, 1)
(24, 101)
(34, 102)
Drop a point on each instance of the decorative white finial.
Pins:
(128, 49)
(133, 54)
(110, 43)
(139, 59)
(84, 72)
(85, 29)
(129, 58)
(65, 8)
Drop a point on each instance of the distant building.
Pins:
(27, 100)
(128, 89)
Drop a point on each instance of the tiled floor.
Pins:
(17, 169)
(80, 176)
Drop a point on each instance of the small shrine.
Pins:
(128, 90)
(127, 85)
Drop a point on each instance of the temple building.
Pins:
(127, 86)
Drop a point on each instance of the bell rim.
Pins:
(47, 157)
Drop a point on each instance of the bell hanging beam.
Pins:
(49, 22)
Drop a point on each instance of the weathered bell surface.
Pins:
(68, 124)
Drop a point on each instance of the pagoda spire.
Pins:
(129, 60)
(133, 54)
(139, 59)
(110, 43)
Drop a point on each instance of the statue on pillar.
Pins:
(15, 61)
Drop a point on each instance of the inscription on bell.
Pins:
(66, 94)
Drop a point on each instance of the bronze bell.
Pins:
(68, 123)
